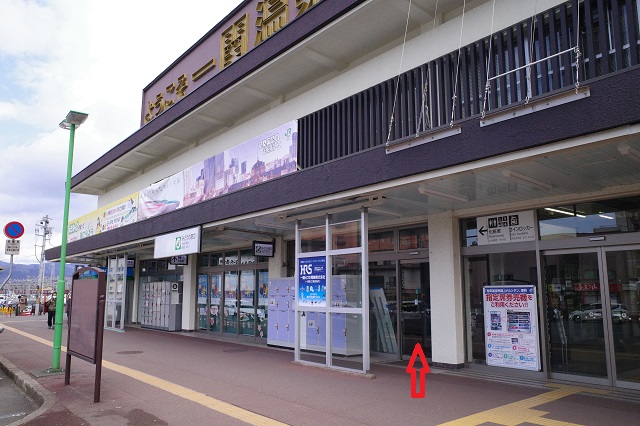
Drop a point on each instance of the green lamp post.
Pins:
(73, 120)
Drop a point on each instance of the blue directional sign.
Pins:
(13, 230)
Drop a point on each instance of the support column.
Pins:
(447, 313)
(189, 283)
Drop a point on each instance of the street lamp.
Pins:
(73, 120)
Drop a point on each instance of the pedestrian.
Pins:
(68, 307)
(51, 310)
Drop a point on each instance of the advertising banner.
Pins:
(511, 327)
(117, 214)
(312, 283)
(193, 178)
(161, 197)
(506, 228)
(186, 241)
(82, 227)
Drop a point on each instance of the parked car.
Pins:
(619, 314)
(587, 312)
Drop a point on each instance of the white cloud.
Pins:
(95, 57)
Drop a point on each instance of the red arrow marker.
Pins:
(421, 391)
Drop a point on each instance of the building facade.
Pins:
(462, 175)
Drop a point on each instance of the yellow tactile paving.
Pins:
(520, 412)
(181, 391)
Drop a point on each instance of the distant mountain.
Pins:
(22, 272)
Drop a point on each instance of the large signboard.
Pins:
(506, 228)
(241, 31)
(312, 282)
(511, 327)
(186, 241)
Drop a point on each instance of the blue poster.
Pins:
(312, 284)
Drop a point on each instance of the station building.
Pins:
(350, 178)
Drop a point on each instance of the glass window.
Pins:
(602, 217)
(469, 233)
(203, 260)
(414, 238)
(313, 239)
(345, 235)
(346, 278)
(381, 241)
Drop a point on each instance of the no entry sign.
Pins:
(13, 230)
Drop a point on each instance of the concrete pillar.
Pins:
(189, 284)
(276, 270)
(447, 313)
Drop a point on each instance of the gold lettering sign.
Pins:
(233, 41)
(304, 5)
(156, 108)
(272, 15)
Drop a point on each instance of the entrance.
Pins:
(412, 318)
(592, 300)
(232, 294)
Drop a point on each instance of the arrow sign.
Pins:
(418, 392)
(482, 230)
(13, 230)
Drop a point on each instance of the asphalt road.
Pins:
(14, 403)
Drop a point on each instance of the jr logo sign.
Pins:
(178, 243)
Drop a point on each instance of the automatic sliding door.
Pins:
(575, 315)
(623, 270)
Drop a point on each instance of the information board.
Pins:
(506, 228)
(312, 284)
(511, 327)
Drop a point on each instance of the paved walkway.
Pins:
(159, 378)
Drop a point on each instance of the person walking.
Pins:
(68, 308)
(51, 310)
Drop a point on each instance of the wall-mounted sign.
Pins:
(131, 263)
(511, 327)
(506, 228)
(179, 260)
(312, 281)
(262, 248)
(186, 241)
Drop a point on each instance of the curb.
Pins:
(31, 387)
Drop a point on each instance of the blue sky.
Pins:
(89, 56)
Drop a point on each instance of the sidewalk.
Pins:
(160, 378)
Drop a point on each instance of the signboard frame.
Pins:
(264, 248)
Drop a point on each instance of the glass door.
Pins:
(415, 307)
(593, 314)
(576, 326)
(231, 302)
(215, 285)
(623, 274)
(247, 307)
(201, 305)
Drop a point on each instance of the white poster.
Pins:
(506, 228)
(511, 327)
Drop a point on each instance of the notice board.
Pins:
(88, 289)
(512, 337)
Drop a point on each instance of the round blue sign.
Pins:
(13, 230)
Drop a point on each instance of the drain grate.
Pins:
(129, 352)
(235, 350)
